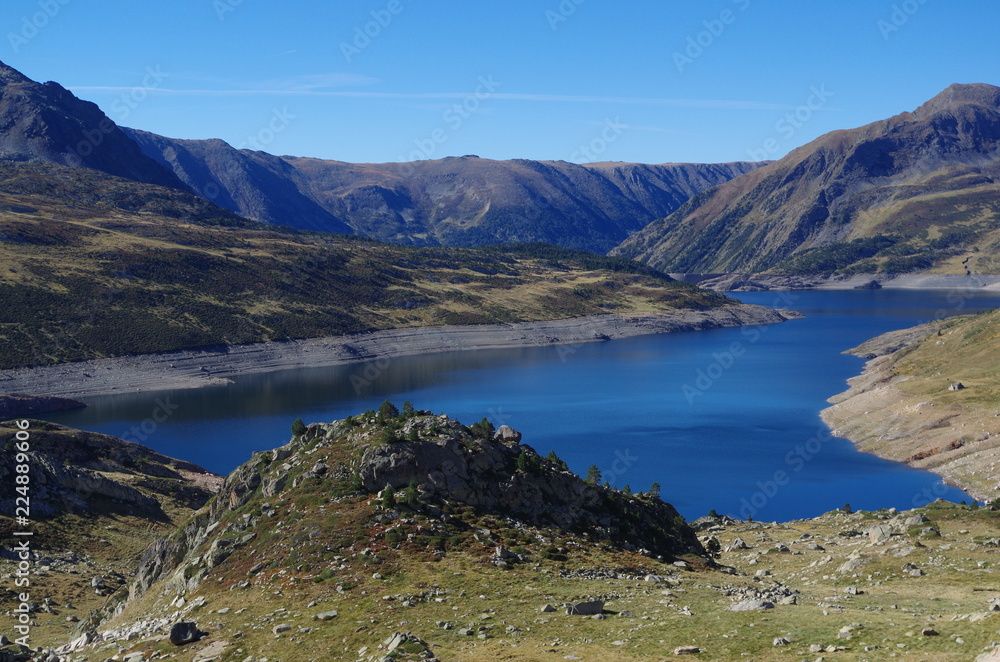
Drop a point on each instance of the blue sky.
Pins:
(578, 80)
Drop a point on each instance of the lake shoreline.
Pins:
(880, 418)
(218, 366)
(737, 282)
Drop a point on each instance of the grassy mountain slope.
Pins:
(916, 192)
(97, 266)
(901, 407)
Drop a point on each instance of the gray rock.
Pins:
(281, 627)
(548, 609)
(325, 616)
(780, 641)
(507, 435)
(751, 605)
(879, 533)
(687, 650)
(185, 632)
(586, 608)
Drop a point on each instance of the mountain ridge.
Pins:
(916, 179)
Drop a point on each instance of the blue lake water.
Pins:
(725, 419)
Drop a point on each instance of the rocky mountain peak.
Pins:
(960, 94)
(47, 123)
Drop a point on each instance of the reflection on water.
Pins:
(725, 419)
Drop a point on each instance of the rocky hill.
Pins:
(408, 536)
(46, 123)
(915, 192)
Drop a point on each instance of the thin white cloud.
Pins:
(305, 88)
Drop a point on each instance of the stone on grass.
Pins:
(185, 632)
(751, 605)
(590, 608)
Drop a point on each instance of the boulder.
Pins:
(879, 533)
(751, 605)
(185, 632)
(590, 608)
(687, 650)
(507, 435)
(326, 616)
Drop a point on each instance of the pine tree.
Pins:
(388, 497)
(408, 410)
(654, 491)
(387, 411)
(593, 475)
(298, 428)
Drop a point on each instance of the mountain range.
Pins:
(918, 191)
(463, 201)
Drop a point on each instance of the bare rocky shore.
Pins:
(882, 413)
(215, 366)
(765, 282)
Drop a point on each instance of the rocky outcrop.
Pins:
(446, 463)
(68, 470)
